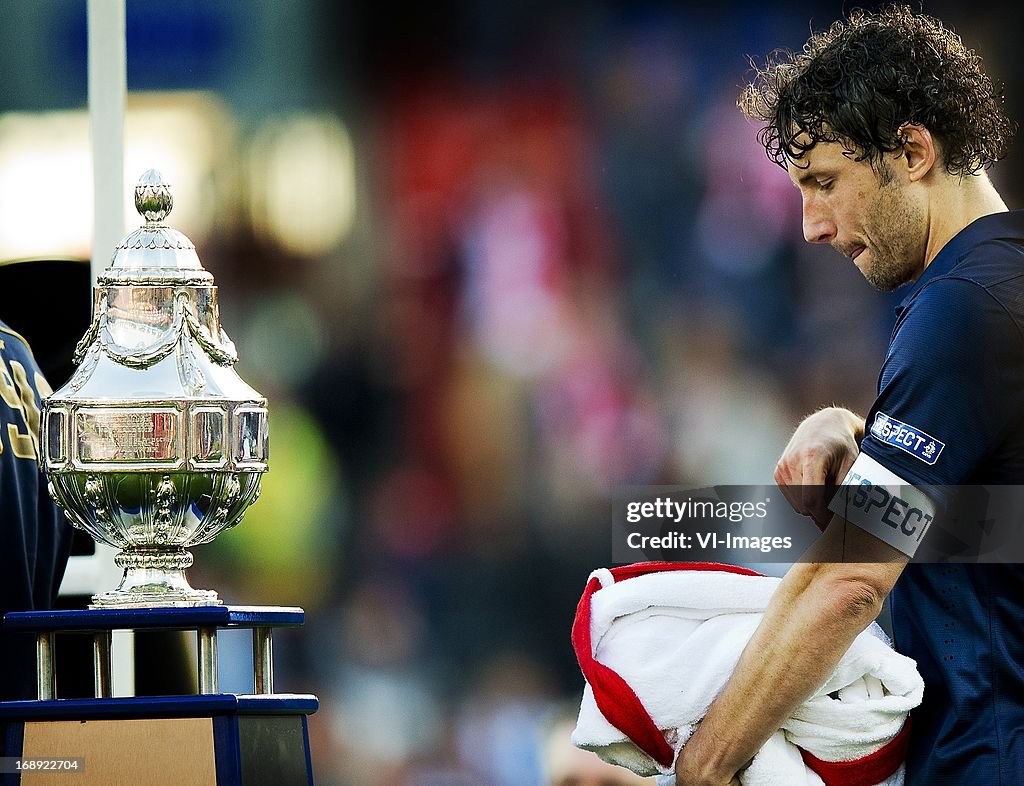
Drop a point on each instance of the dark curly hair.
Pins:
(865, 77)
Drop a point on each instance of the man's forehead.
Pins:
(822, 155)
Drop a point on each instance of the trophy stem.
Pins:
(154, 577)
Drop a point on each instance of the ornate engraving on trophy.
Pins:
(164, 512)
(128, 436)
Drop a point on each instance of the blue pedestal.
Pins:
(207, 739)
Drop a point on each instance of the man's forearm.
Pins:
(813, 617)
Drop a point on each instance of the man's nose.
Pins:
(818, 226)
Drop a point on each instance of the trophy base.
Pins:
(152, 588)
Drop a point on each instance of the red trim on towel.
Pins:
(618, 703)
(867, 770)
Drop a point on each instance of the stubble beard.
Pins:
(894, 221)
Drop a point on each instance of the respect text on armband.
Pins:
(883, 504)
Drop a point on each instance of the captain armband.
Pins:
(880, 502)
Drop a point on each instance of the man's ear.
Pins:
(919, 150)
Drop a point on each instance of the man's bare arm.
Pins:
(819, 608)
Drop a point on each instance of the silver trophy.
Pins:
(155, 444)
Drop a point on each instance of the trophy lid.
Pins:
(155, 254)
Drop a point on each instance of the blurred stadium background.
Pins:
(486, 261)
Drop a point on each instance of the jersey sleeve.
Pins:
(945, 395)
(946, 398)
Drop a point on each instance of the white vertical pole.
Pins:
(108, 86)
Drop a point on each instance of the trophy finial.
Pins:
(153, 197)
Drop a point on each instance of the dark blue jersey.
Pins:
(35, 539)
(950, 412)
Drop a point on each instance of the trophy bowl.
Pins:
(155, 444)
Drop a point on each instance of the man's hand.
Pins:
(701, 771)
(819, 454)
(688, 776)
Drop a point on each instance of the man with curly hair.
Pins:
(887, 124)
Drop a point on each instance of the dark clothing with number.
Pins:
(35, 538)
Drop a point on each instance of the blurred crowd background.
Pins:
(487, 261)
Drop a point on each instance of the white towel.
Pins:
(671, 633)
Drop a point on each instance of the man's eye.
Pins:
(825, 185)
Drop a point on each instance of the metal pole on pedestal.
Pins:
(207, 637)
(263, 660)
(108, 87)
(46, 680)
